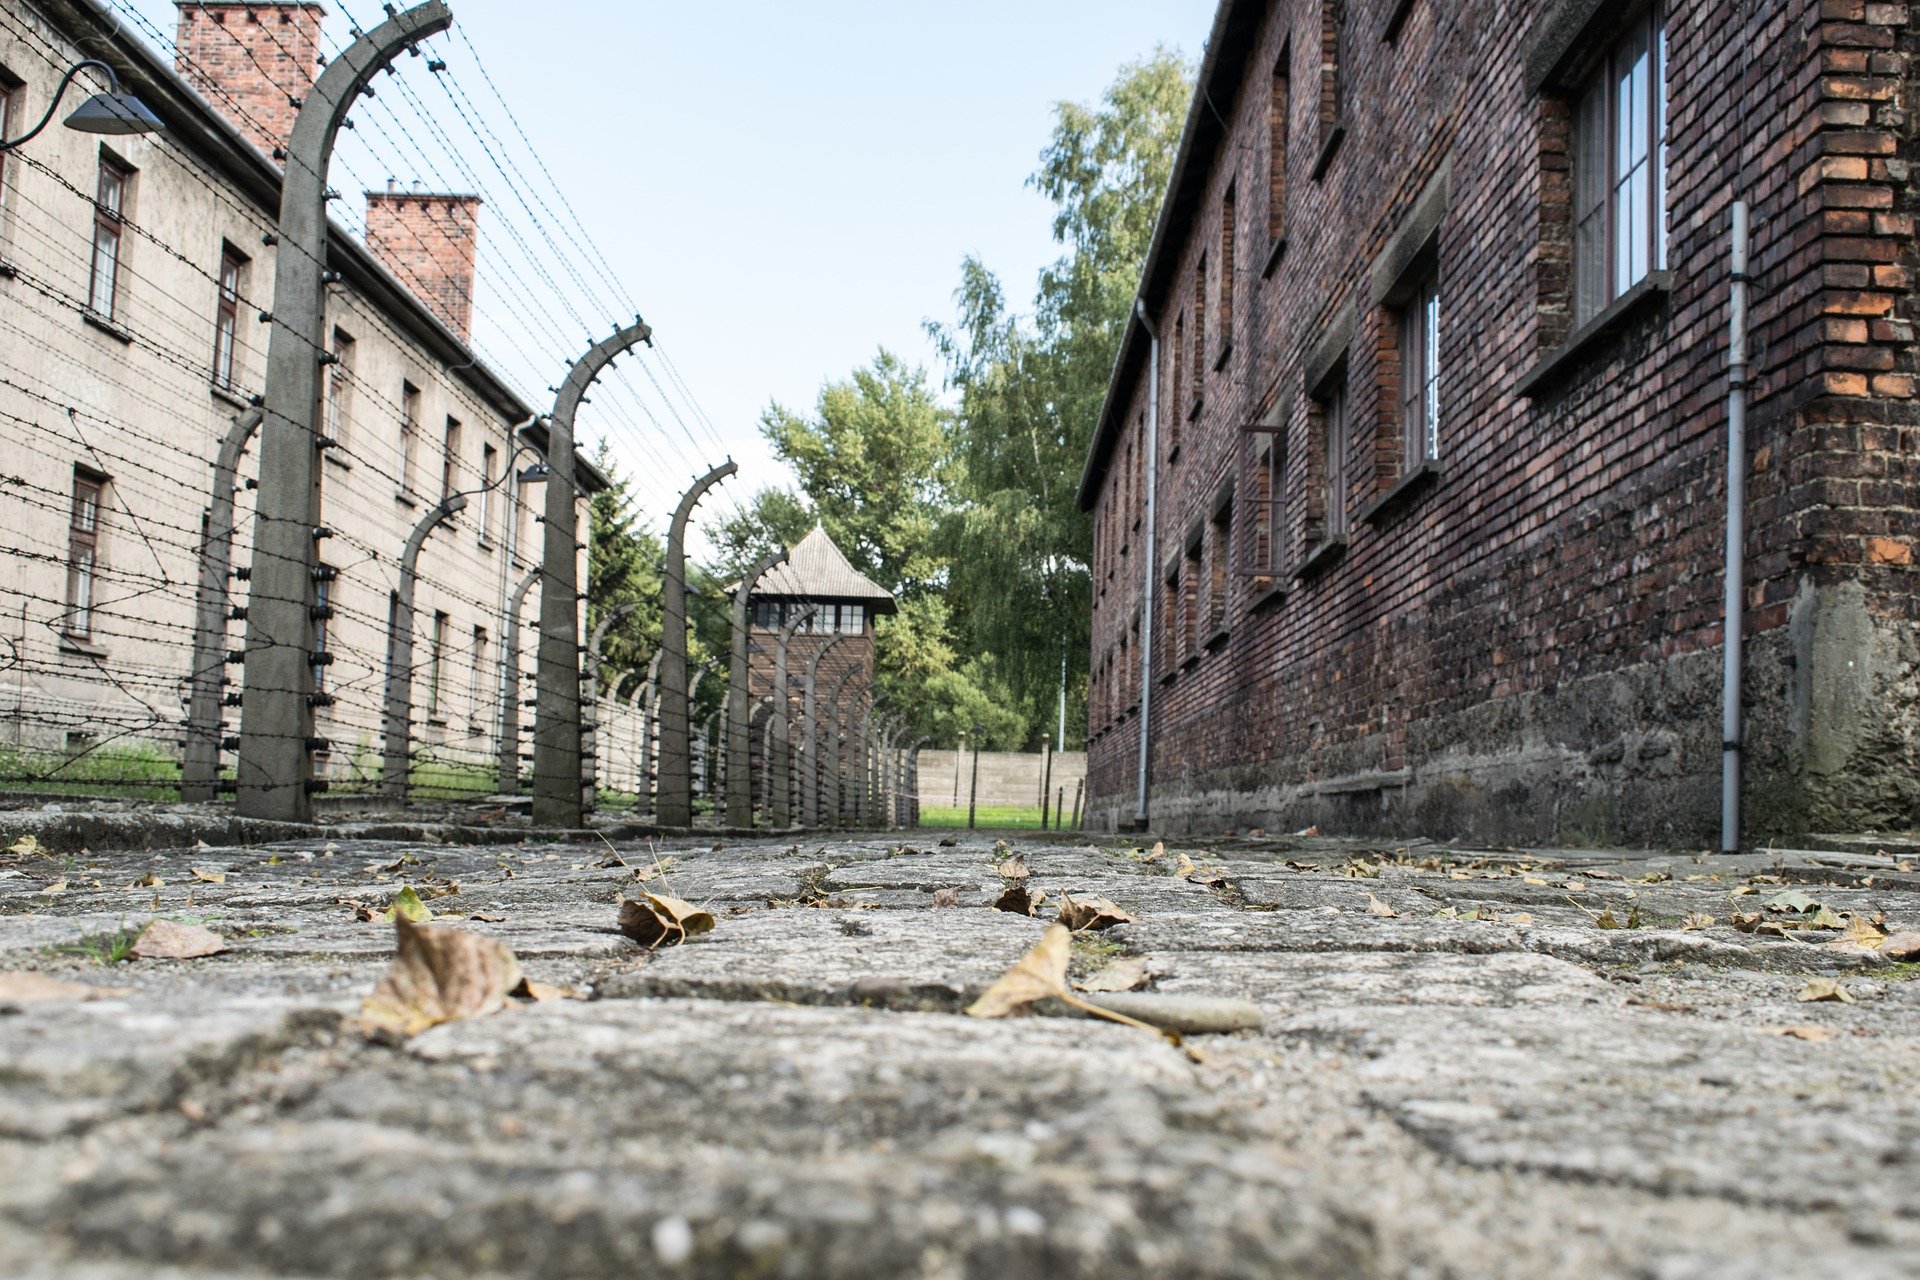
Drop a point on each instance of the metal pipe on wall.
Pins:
(1151, 464)
(1731, 727)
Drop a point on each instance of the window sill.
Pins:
(338, 458)
(1226, 354)
(1191, 661)
(405, 499)
(1274, 255)
(1327, 151)
(1173, 454)
(1322, 556)
(84, 648)
(107, 327)
(229, 397)
(1214, 641)
(486, 545)
(7, 270)
(1267, 595)
(1402, 495)
(1632, 305)
(436, 722)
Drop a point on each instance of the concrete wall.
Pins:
(1006, 778)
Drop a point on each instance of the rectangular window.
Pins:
(109, 225)
(323, 614)
(1191, 601)
(477, 719)
(1277, 126)
(436, 664)
(1199, 329)
(1170, 622)
(1333, 30)
(1228, 226)
(449, 459)
(409, 435)
(1265, 492)
(226, 320)
(340, 389)
(83, 551)
(523, 520)
(1420, 373)
(489, 460)
(1333, 414)
(1619, 167)
(1179, 379)
(1219, 552)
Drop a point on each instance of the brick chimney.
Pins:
(428, 240)
(250, 60)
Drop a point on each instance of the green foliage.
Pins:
(126, 770)
(1031, 389)
(624, 566)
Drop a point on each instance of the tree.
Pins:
(1031, 389)
(625, 564)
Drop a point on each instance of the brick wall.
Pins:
(251, 61)
(1528, 647)
(429, 241)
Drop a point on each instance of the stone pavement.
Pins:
(1462, 1073)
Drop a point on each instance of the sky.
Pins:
(780, 189)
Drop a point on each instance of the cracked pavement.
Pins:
(1483, 1083)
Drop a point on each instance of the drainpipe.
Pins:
(1730, 720)
(1152, 553)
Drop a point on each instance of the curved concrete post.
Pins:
(509, 745)
(275, 776)
(911, 769)
(765, 704)
(739, 712)
(810, 780)
(647, 699)
(711, 756)
(863, 810)
(200, 762)
(780, 756)
(398, 707)
(839, 724)
(559, 796)
(590, 705)
(674, 806)
(613, 685)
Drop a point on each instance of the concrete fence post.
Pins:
(200, 759)
(396, 757)
(811, 783)
(508, 780)
(674, 806)
(590, 705)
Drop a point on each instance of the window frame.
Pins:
(1279, 131)
(409, 437)
(109, 229)
(449, 457)
(1229, 228)
(436, 667)
(1604, 265)
(1336, 441)
(1419, 325)
(489, 457)
(1265, 504)
(83, 552)
(339, 417)
(226, 316)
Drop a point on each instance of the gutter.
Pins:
(1151, 463)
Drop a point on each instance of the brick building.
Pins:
(134, 276)
(1409, 492)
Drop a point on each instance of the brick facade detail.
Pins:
(252, 61)
(430, 242)
(1521, 640)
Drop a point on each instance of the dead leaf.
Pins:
(655, 919)
(1018, 900)
(1156, 853)
(148, 881)
(1524, 917)
(1698, 920)
(948, 843)
(1040, 973)
(1307, 833)
(1358, 870)
(1084, 914)
(406, 904)
(486, 918)
(1814, 1034)
(1825, 918)
(37, 988)
(1129, 973)
(1375, 907)
(165, 940)
(1791, 900)
(946, 897)
(58, 886)
(1819, 989)
(1607, 920)
(1534, 880)
(24, 847)
(1901, 947)
(1014, 868)
(542, 993)
(211, 877)
(438, 975)
(1184, 867)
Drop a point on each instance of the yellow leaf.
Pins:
(1184, 867)
(211, 877)
(1533, 880)
(148, 881)
(1820, 989)
(24, 847)
(1040, 973)
(1698, 920)
(1376, 907)
(1525, 917)
(438, 975)
(655, 919)
(406, 905)
(1606, 920)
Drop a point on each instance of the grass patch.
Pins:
(995, 817)
(105, 949)
(126, 771)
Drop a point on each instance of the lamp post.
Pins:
(112, 112)
(275, 775)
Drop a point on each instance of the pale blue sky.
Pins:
(781, 188)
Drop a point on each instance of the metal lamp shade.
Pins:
(114, 113)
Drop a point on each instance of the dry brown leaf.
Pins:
(24, 847)
(1375, 907)
(487, 918)
(37, 988)
(165, 940)
(948, 843)
(1901, 947)
(656, 919)
(148, 881)
(1535, 880)
(211, 877)
(58, 886)
(1018, 900)
(438, 975)
(1084, 914)
(541, 992)
(1156, 853)
(1014, 868)
(1184, 867)
(1698, 920)
(946, 897)
(1524, 917)
(1129, 973)
(1819, 989)
(1040, 973)
(1814, 1034)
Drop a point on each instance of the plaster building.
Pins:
(135, 276)
(1410, 490)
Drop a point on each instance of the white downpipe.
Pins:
(1731, 732)
(1151, 463)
